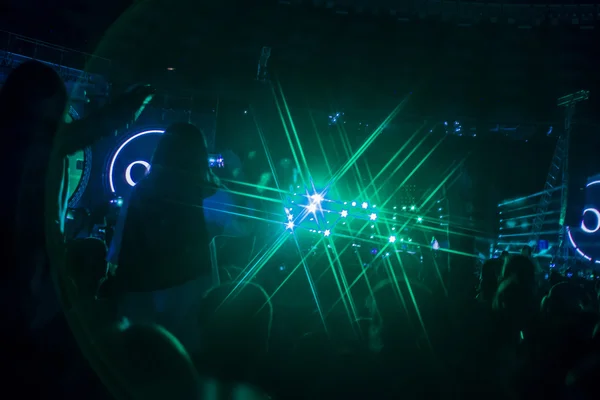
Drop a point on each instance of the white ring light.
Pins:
(592, 183)
(585, 228)
(121, 147)
(128, 171)
(597, 227)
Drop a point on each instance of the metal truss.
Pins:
(262, 74)
(558, 176)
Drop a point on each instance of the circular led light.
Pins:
(585, 228)
(596, 226)
(120, 149)
(128, 171)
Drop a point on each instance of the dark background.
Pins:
(497, 68)
(449, 54)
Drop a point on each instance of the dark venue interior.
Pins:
(300, 199)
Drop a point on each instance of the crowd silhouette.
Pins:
(165, 325)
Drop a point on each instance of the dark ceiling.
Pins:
(80, 23)
(72, 23)
(364, 51)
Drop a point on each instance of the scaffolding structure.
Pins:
(558, 179)
(262, 74)
(70, 64)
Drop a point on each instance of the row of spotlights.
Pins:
(327, 233)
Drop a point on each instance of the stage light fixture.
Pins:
(327, 232)
(373, 216)
(392, 239)
(128, 178)
(316, 198)
(365, 205)
(290, 225)
(577, 249)
(344, 213)
(596, 227)
(121, 147)
(585, 228)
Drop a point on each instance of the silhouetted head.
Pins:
(32, 104)
(527, 251)
(182, 147)
(490, 273)
(148, 362)
(86, 265)
(563, 300)
(236, 326)
(237, 318)
(33, 95)
(397, 310)
(516, 291)
(521, 268)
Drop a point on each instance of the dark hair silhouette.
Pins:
(516, 291)
(148, 362)
(246, 307)
(26, 86)
(521, 268)
(183, 146)
(86, 265)
(526, 251)
(398, 309)
(490, 272)
(236, 322)
(32, 103)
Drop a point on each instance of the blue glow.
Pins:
(316, 198)
(596, 227)
(577, 249)
(585, 228)
(121, 147)
(128, 178)
(592, 183)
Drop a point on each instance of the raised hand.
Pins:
(110, 120)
